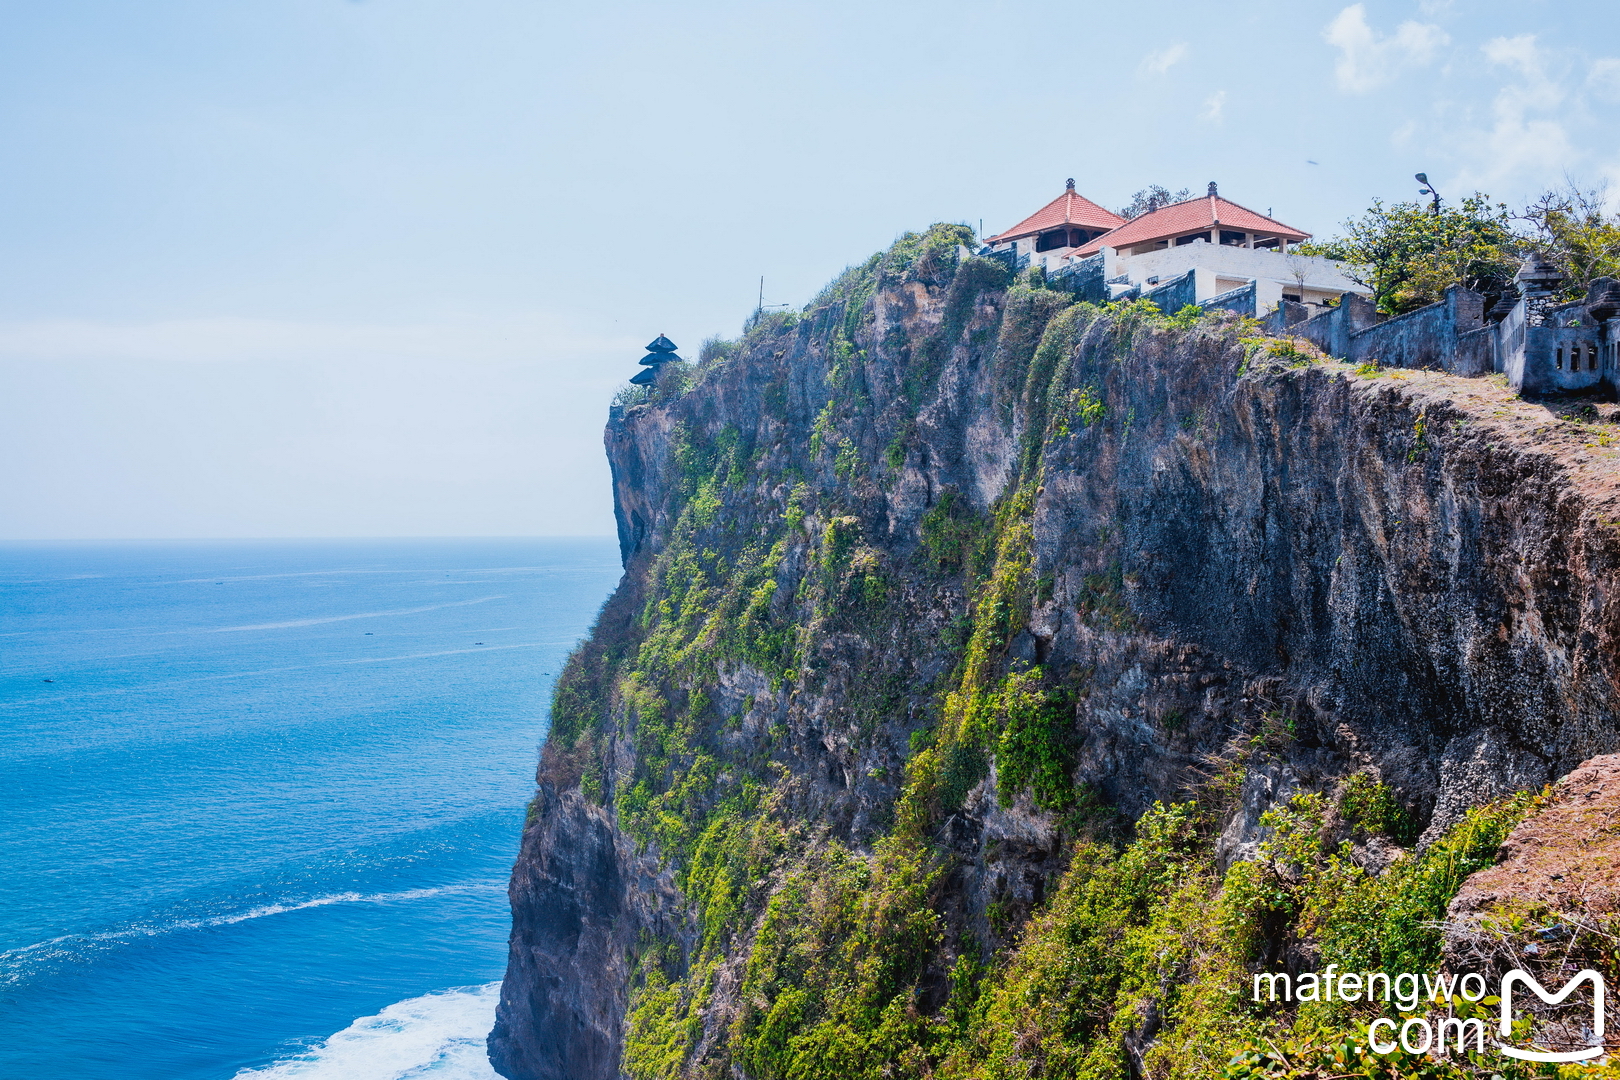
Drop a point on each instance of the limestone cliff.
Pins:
(932, 593)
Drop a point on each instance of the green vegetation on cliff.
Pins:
(883, 946)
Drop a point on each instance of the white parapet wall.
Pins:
(1221, 268)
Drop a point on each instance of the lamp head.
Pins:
(1422, 178)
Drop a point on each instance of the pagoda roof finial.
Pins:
(1068, 209)
(1537, 275)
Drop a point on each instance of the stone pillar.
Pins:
(1538, 281)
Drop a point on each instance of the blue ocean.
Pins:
(259, 800)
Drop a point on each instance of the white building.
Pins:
(1206, 247)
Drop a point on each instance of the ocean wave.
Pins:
(338, 573)
(19, 963)
(268, 577)
(439, 1035)
(346, 618)
(323, 901)
(170, 684)
(447, 652)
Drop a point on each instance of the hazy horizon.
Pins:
(25, 541)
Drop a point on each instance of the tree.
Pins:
(1151, 198)
(1408, 254)
(1575, 235)
(1299, 268)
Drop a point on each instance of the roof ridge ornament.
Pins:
(1604, 303)
(1536, 274)
(1070, 184)
(1069, 209)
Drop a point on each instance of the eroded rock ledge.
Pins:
(944, 580)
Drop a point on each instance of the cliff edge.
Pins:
(973, 639)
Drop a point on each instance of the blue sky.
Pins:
(327, 268)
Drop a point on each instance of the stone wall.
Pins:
(1243, 300)
(1535, 346)
(1425, 338)
(1332, 330)
(1085, 278)
(1476, 352)
(1173, 295)
(1550, 357)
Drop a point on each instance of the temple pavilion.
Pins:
(1209, 218)
(1208, 251)
(1061, 227)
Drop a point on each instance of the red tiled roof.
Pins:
(1204, 212)
(1068, 208)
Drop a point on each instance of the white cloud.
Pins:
(1604, 78)
(1367, 60)
(1157, 63)
(1214, 105)
(467, 424)
(1532, 115)
(1523, 56)
(475, 338)
(1609, 177)
(1524, 138)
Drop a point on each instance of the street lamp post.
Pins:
(1428, 189)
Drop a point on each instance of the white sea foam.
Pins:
(16, 965)
(437, 1035)
(322, 901)
(346, 618)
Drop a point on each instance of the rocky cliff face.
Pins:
(934, 590)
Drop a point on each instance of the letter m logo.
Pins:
(1517, 976)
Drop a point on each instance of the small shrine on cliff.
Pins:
(660, 351)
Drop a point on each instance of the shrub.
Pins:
(1035, 750)
(1371, 805)
(955, 537)
(1408, 254)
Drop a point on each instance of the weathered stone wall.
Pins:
(1430, 337)
(1332, 330)
(1452, 336)
(1561, 359)
(1425, 338)
(1085, 278)
(1173, 295)
(1240, 301)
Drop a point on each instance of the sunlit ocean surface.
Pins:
(258, 800)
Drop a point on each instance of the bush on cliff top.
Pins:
(1408, 253)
